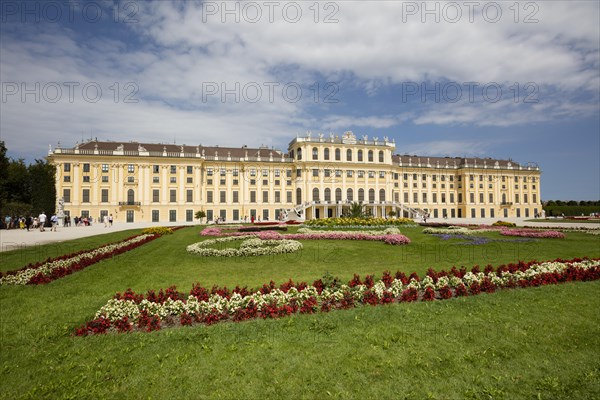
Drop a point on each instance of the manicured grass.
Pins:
(524, 343)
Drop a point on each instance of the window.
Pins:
(327, 173)
(338, 194)
(236, 172)
(525, 198)
(253, 196)
(382, 174)
(370, 156)
(173, 169)
(209, 172)
(86, 178)
(371, 195)
(104, 196)
(338, 155)
(265, 215)
(443, 197)
(424, 197)
(236, 196)
(189, 215)
(155, 179)
(406, 197)
(315, 194)
(299, 153)
(105, 178)
(381, 195)
(349, 173)
(173, 179)
(67, 167)
(209, 215)
(67, 178)
(155, 169)
(173, 195)
(359, 155)
(222, 196)
(104, 167)
(298, 173)
(491, 196)
(155, 215)
(326, 154)
(460, 197)
(516, 197)
(265, 172)
(350, 195)
(371, 174)
(85, 197)
(130, 179)
(338, 173)
(155, 196)
(483, 213)
(381, 156)
(315, 172)
(361, 174)
(348, 155)
(189, 169)
(451, 197)
(86, 167)
(277, 196)
(481, 198)
(209, 196)
(361, 194)
(67, 195)
(434, 197)
(189, 195)
(415, 198)
(189, 179)
(315, 153)
(288, 196)
(236, 215)
(130, 168)
(172, 215)
(534, 196)
(265, 196)
(472, 198)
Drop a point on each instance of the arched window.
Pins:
(315, 153)
(338, 155)
(350, 195)
(348, 155)
(327, 194)
(130, 196)
(371, 195)
(381, 156)
(381, 194)
(326, 154)
(359, 156)
(503, 198)
(338, 194)
(299, 153)
(370, 156)
(361, 194)
(315, 194)
(292, 154)
(298, 196)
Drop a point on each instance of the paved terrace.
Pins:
(15, 239)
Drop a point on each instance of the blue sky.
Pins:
(441, 78)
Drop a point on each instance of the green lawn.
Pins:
(526, 343)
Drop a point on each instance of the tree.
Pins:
(43, 189)
(356, 209)
(200, 215)
(392, 214)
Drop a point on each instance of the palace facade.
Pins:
(318, 177)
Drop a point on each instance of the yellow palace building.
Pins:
(318, 177)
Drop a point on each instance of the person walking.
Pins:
(105, 220)
(28, 222)
(42, 221)
(54, 220)
(110, 220)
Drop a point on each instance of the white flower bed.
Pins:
(251, 246)
(452, 230)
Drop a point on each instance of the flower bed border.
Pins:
(75, 261)
(130, 311)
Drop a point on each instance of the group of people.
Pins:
(42, 221)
